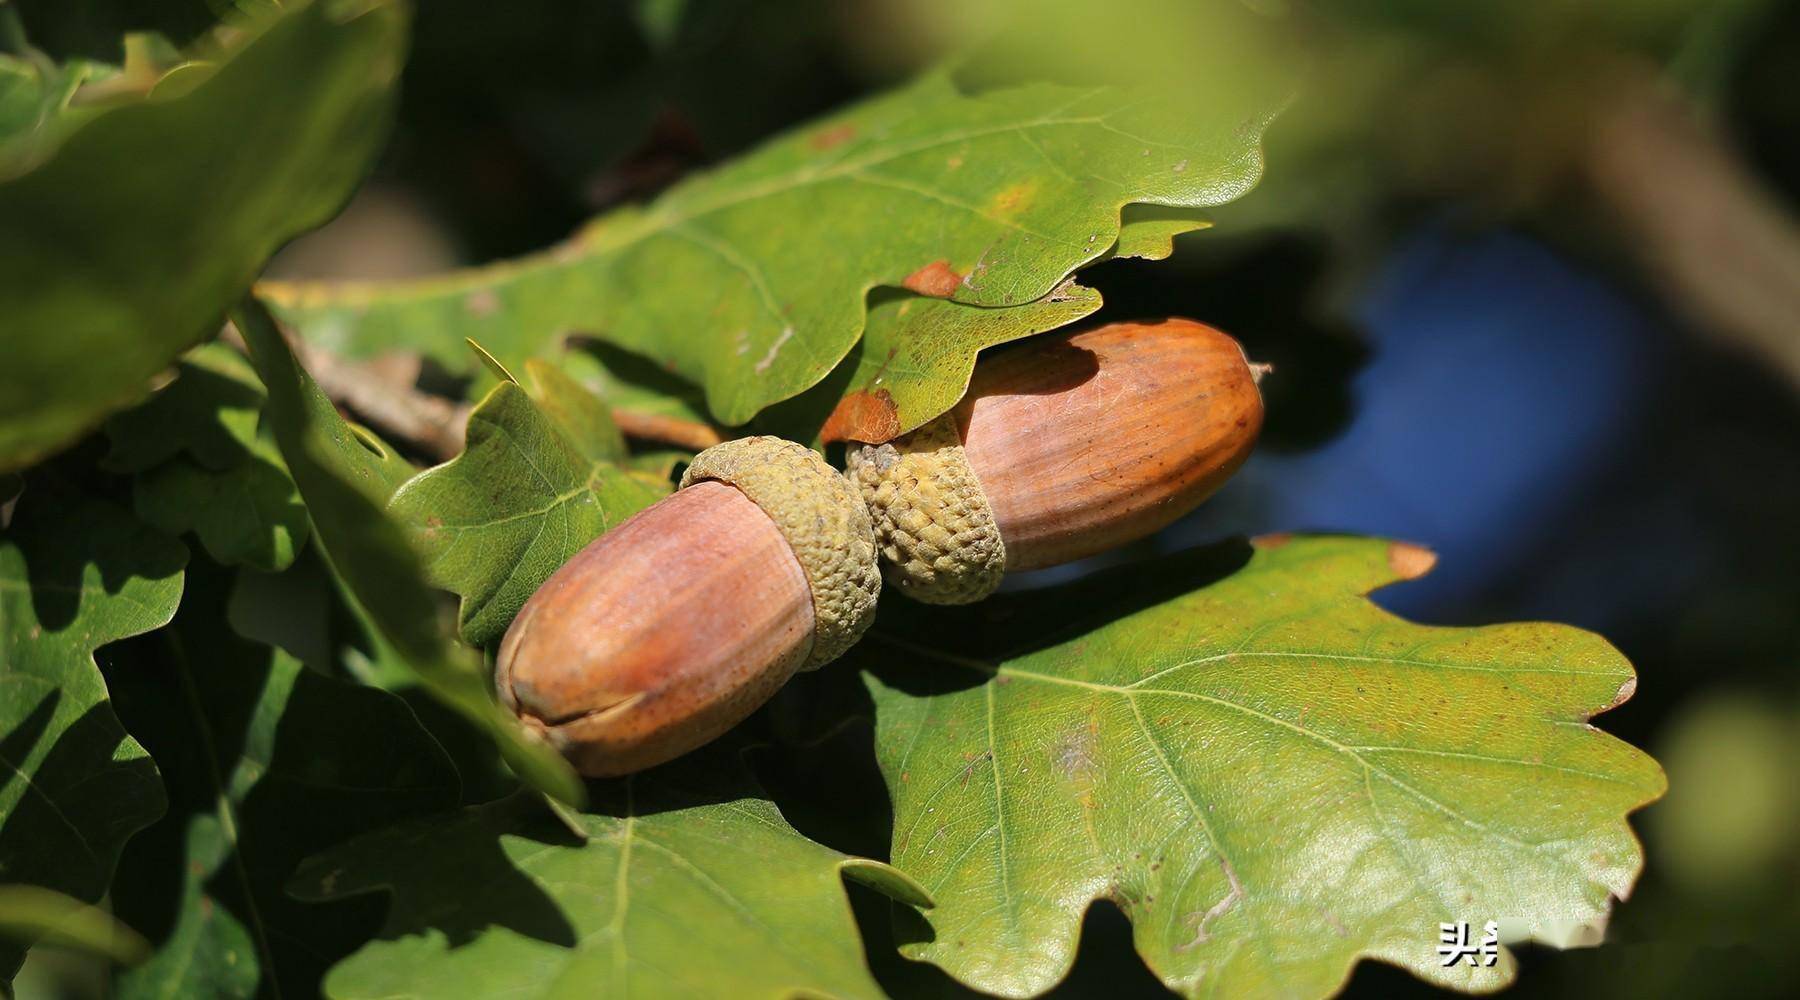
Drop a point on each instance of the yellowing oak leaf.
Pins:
(1269, 774)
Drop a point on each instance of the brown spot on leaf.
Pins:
(1009, 200)
(833, 137)
(1410, 561)
(481, 303)
(936, 279)
(1273, 541)
(870, 417)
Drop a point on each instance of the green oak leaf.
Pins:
(1148, 231)
(686, 881)
(76, 573)
(914, 363)
(208, 413)
(524, 496)
(249, 515)
(917, 352)
(629, 382)
(266, 763)
(1271, 776)
(346, 477)
(201, 465)
(990, 198)
(33, 91)
(580, 415)
(129, 232)
(659, 464)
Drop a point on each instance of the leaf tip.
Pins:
(873, 417)
(1626, 690)
(490, 362)
(1409, 561)
(937, 279)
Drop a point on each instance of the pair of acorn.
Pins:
(670, 629)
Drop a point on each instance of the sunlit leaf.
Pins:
(128, 233)
(1270, 776)
(75, 574)
(988, 199)
(915, 360)
(346, 479)
(207, 413)
(523, 497)
(686, 881)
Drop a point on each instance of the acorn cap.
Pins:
(824, 521)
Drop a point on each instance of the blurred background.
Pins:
(1528, 272)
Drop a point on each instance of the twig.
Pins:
(687, 434)
(382, 395)
(1726, 250)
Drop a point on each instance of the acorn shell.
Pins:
(661, 634)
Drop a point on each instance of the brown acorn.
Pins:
(668, 630)
(1064, 447)
(671, 628)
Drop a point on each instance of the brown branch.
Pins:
(688, 434)
(1726, 251)
(382, 394)
(392, 406)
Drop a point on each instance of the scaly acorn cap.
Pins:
(1064, 447)
(824, 521)
(938, 540)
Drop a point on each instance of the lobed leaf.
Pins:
(915, 360)
(528, 491)
(76, 573)
(629, 382)
(200, 464)
(682, 881)
(1270, 776)
(129, 231)
(207, 413)
(266, 762)
(249, 515)
(580, 415)
(346, 478)
(987, 199)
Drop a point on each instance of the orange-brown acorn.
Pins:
(1064, 447)
(668, 630)
(671, 628)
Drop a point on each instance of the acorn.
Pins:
(1063, 448)
(668, 630)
